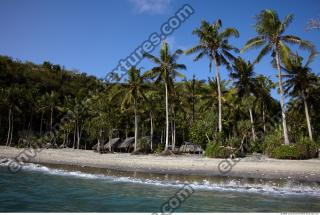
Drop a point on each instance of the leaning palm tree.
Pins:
(214, 44)
(271, 36)
(299, 81)
(166, 71)
(245, 83)
(134, 91)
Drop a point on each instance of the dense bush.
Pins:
(159, 148)
(272, 141)
(256, 146)
(201, 129)
(216, 150)
(304, 149)
(144, 145)
(287, 152)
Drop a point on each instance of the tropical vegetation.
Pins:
(225, 117)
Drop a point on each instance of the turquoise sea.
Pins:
(39, 188)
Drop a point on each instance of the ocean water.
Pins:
(39, 188)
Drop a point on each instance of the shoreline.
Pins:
(184, 165)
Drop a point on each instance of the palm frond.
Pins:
(265, 50)
(255, 42)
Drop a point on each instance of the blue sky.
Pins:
(92, 36)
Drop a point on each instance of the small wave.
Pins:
(230, 185)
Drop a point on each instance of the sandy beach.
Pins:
(249, 167)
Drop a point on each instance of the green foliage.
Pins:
(304, 149)
(159, 149)
(256, 146)
(200, 130)
(233, 142)
(287, 152)
(215, 149)
(271, 141)
(144, 145)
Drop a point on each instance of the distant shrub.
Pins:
(272, 141)
(287, 152)
(159, 148)
(308, 147)
(144, 145)
(234, 142)
(304, 149)
(201, 129)
(256, 146)
(216, 150)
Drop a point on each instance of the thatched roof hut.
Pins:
(113, 143)
(95, 147)
(189, 147)
(127, 143)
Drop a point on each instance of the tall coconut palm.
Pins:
(245, 82)
(166, 71)
(299, 81)
(9, 100)
(214, 44)
(134, 90)
(271, 37)
(264, 98)
(51, 103)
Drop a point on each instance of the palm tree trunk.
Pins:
(11, 130)
(284, 121)
(30, 124)
(100, 132)
(193, 99)
(167, 118)
(219, 92)
(174, 135)
(42, 113)
(51, 119)
(252, 125)
(135, 125)
(264, 118)
(110, 138)
(64, 139)
(78, 136)
(306, 110)
(74, 137)
(9, 127)
(151, 131)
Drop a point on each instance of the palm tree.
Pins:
(190, 97)
(214, 44)
(245, 82)
(166, 71)
(9, 98)
(299, 81)
(134, 90)
(264, 98)
(270, 31)
(51, 103)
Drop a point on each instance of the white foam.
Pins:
(231, 185)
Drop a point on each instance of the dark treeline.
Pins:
(222, 116)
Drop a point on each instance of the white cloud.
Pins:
(151, 6)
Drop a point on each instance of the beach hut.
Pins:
(113, 143)
(95, 147)
(189, 147)
(127, 145)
